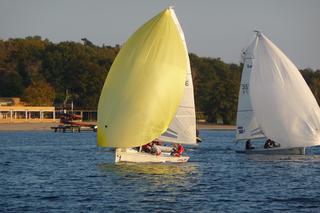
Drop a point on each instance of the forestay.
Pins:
(247, 127)
(283, 104)
(145, 84)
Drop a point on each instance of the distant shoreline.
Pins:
(46, 126)
(209, 126)
(32, 126)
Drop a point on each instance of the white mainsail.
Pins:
(247, 127)
(182, 129)
(283, 104)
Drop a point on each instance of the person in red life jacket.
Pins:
(177, 150)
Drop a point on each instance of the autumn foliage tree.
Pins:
(39, 94)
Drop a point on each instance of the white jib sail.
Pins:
(284, 106)
(182, 129)
(247, 127)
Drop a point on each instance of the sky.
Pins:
(213, 28)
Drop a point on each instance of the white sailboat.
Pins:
(182, 129)
(275, 102)
(143, 90)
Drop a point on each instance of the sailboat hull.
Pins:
(133, 156)
(276, 151)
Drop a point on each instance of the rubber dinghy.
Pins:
(143, 91)
(275, 102)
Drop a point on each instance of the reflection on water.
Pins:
(163, 183)
(157, 173)
(168, 169)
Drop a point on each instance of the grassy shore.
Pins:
(47, 126)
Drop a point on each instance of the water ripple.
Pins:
(50, 172)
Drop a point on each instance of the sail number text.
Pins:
(245, 88)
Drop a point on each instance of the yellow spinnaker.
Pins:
(145, 84)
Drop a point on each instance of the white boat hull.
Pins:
(133, 156)
(276, 151)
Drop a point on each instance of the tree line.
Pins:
(40, 71)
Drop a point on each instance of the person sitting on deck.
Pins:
(274, 144)
(147, 148)
(177, 150)
(249, 145)
(152, 148)
(155, 149)
(270, 144)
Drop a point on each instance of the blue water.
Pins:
(66, 172)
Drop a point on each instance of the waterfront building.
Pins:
(13, 110)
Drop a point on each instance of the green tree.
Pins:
(41, 72)
(10, 84)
